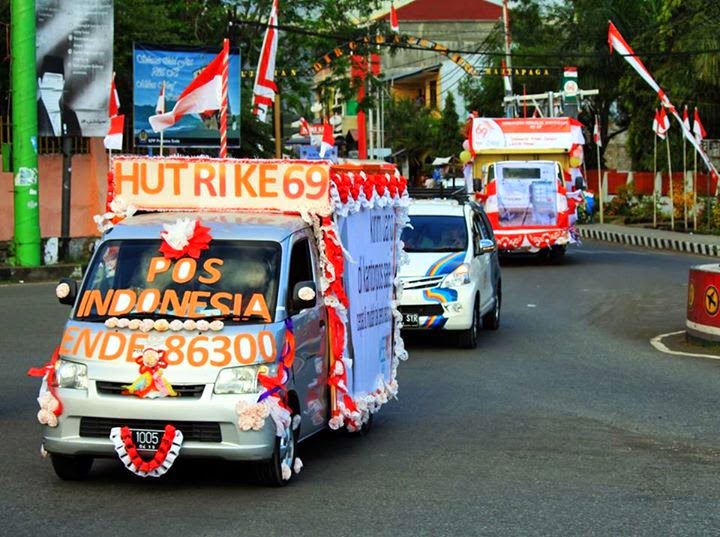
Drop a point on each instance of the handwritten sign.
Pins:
(222, 184)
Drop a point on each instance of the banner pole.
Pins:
(224, 103)
(600, 188)
(672, 201)
(655, 192)
(162, 132)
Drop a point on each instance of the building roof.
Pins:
(447, 10)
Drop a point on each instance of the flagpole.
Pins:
(162, 132)
(655, 192)
(672, 201)
(695, 192)
(223, 106)
(685, 207)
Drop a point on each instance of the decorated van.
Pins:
(232, 309)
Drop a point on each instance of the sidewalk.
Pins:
(653, 238)
(45, 273)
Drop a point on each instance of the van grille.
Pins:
(422, 282)
(197, 431)
(423, 310)
(116, 388)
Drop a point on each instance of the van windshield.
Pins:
(431, 233)
(232, 281)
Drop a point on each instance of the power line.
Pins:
(557, 54)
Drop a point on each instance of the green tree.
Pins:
(411, 127)
(448, 140)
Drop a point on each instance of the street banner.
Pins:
(176, 67)
(74, 54)
(369, 238)
(499, 133)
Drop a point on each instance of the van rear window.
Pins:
(131, 278)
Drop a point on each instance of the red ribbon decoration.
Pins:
(49, 370)
(160, 455)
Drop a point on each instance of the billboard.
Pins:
(176, 67)
(74, 54)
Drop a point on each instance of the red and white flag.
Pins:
(686, 120)
(202, 94)
(394, 25)
(661, 123)
(160, 106)
(304, 127)
(114, 138)
(113, 100)
(617, 42)
(328, 140)
(265, 89)
(597, 138)
(698, 129)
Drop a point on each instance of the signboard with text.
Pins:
(369, 237)
(187, 183)
(177, 67)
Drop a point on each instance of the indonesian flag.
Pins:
(202, 94)
(698, 129)
(661, 123)
(304, 127)
(616, 42)
(596, 133)
(394, 25)
(686, 120)
(114, 137)
(160, 106)
(328, 140)
(113, 100)
(265, 89)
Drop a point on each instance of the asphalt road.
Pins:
(564, 422)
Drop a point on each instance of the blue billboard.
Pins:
(176, 67)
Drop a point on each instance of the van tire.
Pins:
(70, 467)
(270, 472)
(491, 320)
(468, 339)
(364, 429)
(557, 254)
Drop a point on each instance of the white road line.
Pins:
(660, 346)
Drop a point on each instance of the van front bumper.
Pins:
(210, 422)
(454, 311)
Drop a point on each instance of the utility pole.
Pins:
(24, 133)
(507, 76)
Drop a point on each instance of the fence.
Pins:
(643, 182)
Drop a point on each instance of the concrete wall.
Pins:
(88, 191)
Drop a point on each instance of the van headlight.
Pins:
(459, 276)
(243, 379)
(71, 375)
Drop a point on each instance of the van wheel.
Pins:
(468, 339)
(364, 429)
(71, 468)
(557, 253)
(284, 453)
(491, 320)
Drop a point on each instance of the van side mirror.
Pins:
(66, 291)
(579, 183)
(304, 296)
(487, 246)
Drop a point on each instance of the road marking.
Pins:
(711, 300)
(660, 346)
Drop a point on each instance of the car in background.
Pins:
(452, 281)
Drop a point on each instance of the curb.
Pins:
(46, 273)
(657, 243)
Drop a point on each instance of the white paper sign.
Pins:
(369, 237)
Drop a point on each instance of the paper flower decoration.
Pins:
(184, 237)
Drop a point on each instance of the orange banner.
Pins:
(222, 184)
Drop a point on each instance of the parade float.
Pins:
(530, 179)
(166, 355)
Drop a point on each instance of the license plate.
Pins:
(147, 439)
(411, 320)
